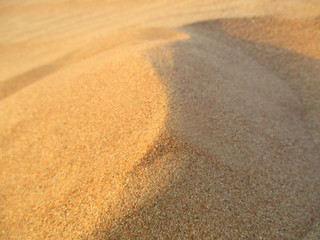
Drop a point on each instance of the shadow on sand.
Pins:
(251, 171)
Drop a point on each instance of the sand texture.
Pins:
(160, 119)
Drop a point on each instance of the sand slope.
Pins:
(149, 121)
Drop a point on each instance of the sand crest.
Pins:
(181, 120)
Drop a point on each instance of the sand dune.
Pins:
(160, 120)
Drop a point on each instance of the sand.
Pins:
(160, 119)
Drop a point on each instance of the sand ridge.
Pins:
(249, 146)
(181, 129)
(88, 131)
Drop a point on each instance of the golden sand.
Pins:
(160, 119)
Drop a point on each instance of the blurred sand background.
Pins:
(160, 119)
